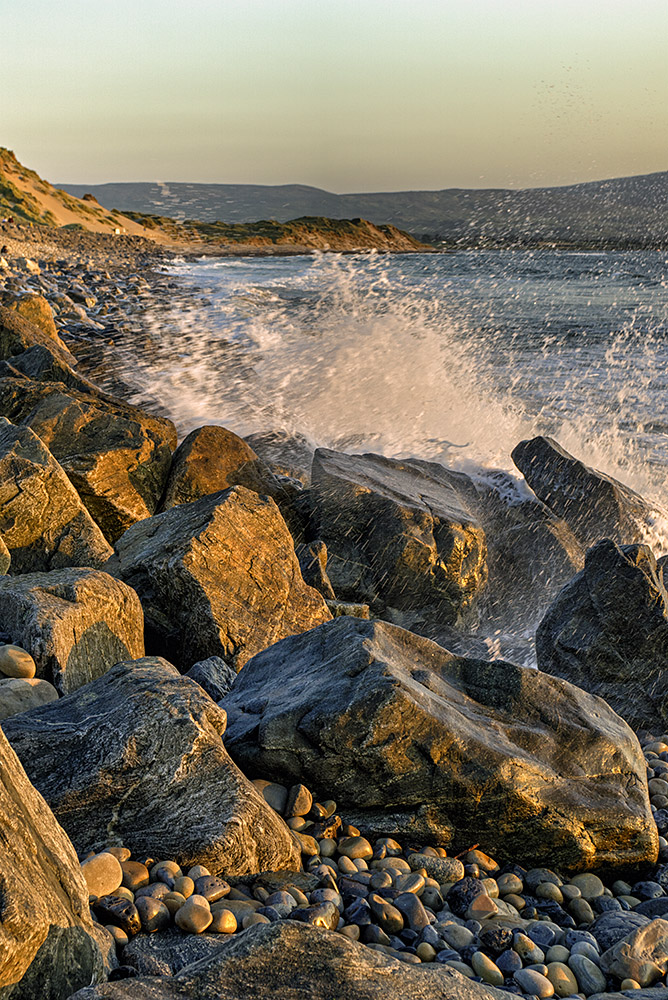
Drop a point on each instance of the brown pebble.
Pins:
(135, 875)
(224, 922)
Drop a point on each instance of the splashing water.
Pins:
(453, 358)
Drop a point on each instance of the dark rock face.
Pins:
(116, 456)
(313, 564)
(294, 960)
(43, 522)
(214, 675)
(410, 738)
(47, 942)
(136, 757)
(285, 454)
(218, 577)
(212, 459)
(75, 623)
(399, 534)
(607, 631)
(594, 505)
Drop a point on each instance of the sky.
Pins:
(347, 95)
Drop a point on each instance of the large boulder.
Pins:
(47, 944)
(42, 519)
(116, 455)
(137, 758)
(594, 505)
(212, 459)
(18, 333)
(218, 577)
(607, 631)
(412, 740)
(75, 623)
(36, 310)
(293, 960)
(399, 535)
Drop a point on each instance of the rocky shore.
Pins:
(250, 742)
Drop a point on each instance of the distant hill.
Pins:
(628, 211)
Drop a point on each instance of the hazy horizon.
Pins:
(350, 97)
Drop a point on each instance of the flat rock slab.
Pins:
(218, 577)
(292, 960)
(398, 534)
(47, 944)
(594, 505)
(43, 522)
(607, 631)
(75, 623)
(411, 739)
(136, 758)
(116, 456)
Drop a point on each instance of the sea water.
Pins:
(453, 358)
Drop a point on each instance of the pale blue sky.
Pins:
(349, 96)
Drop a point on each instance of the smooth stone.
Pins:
(588, 950)
(21, 694)
(486, 969)
(589, 885)
(547, 890)
(274, 795)
(121, 853)
(102, 874)
(299, 801)
(184, 885)
(119, 936)
(355, 847)
(557, 953)
(460, 967)
(254, 918)
(457, 936)
(211, 887)
(173, 901)
(570, 892)
(481, 908)
(589, 976)
(533, 983)
(16, 662)
(167, 872)
(562, 978)
(410, 883)
(527, 949)
(509, 962)
(197, 871)
(387, 916)
(194, 916)
(157, 890)
(581, 911)
(119, 911)
(509, 884)
(441, 869)
(223, 922)
(630, 984)
(135, 875)
(153, 914)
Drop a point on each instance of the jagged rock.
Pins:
(642, 955)
(398, 534)
(293, 960)
(21, 694)
(76, 623)
(212, 459)
(285, 454)
(169, 951)
(218, 577)
(116, 456)
(594, 505)
(214, 675)
(17, 334)
(36, 310)
(412, 740)
(42, 364)
(313, 564)
(47, 942)
(42, 519)
(607, 631)
(136, 758)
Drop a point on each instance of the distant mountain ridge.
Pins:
(624, 211)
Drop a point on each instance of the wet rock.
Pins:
(313, 564)
(218, 577)
(607, 631)
(513, 738)
(398, 534)
(291, 960)
(48, 947)
(43, 523)
(594, 505)
(116, 456)
(139, 760)
(76, 623)
(285, 454)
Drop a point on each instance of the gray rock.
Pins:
(76, 623)
(136, 758)
(214, 675)
(611, 927)
(293, 960)
(169, 951)
(409, 739)
(399, 534)
(285, 454)
(48, 946)
(607, 631)
(43, 523)
(218, 577)
(21, 694)
(594, 505)
(642, 955)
